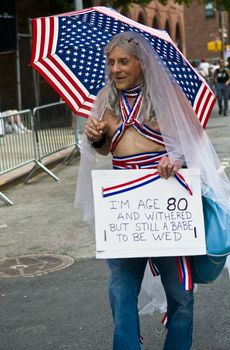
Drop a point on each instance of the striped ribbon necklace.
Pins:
(130, 114)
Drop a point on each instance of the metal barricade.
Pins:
(55, 130)
(27, 137)
(16, 142)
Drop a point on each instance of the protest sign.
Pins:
(139, 214)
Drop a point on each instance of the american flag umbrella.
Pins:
(67, 50)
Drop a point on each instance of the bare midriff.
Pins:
(131, 142)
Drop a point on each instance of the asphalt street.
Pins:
(68, 309)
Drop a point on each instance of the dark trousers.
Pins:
(222, 93)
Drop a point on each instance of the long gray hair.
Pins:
(128, 43)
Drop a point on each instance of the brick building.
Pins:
(199, 30)
(169, 18)
(189, 27)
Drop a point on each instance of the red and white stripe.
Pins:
(153, 268)
(180, 178)
(141, 339)
(139, 161)
(130, 185)
(185, 274)
(165, 319)
(129, 116)
(139, 182)
(203, 104)
(54, 70)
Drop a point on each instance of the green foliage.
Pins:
(59, 6)
(223, 5)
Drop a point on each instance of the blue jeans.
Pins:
(124, 287)
(222, 93)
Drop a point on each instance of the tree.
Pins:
(223, 5)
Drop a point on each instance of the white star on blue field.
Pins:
(81, 41)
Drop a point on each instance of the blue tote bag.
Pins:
(206, 268)
(217, 228)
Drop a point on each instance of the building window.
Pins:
(178, 38)
(155, 23)
(141, 18)
(167, 27)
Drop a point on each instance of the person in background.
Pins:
(204, 68)
(221, 80)
(13, 123)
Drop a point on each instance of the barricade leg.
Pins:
(37, 166)
(5, 199)
(75, 152)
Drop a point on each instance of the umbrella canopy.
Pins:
(67, 50)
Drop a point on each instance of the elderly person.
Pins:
(142, 118)
(125, 137)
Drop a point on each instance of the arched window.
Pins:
(155, 23)
(178, 38)
(141, 18)
(167, 27)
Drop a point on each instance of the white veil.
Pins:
(88, 162)
(176, 118)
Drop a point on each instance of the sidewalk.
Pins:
(43, 219)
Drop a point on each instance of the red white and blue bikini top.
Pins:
(130, 117)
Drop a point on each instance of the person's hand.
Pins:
(166, 168)
(95, 129)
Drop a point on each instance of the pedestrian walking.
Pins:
(204, 67)
(221, 81)
(144, 120)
